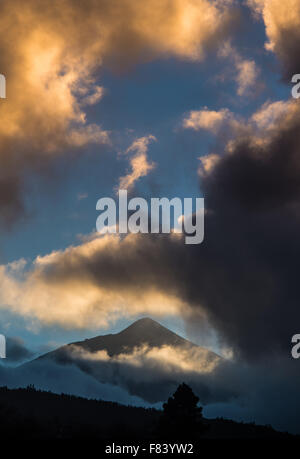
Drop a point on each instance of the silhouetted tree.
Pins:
(182, 418)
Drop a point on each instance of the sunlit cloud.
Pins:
(168, 359)
(246, 70)
(139, 163)
(282, 23)
(258, 129)
(81, 287)
(52, 71)
(210, 120)
(81, 196)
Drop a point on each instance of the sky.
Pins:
(184, 98)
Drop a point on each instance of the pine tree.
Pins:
(182, 418)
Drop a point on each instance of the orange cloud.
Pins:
(209, 120)
(169, 359)
(282, 22)
(60, 288)
(246, 70)
(50, 53)
(140, 166)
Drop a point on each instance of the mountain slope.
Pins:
(144, 331)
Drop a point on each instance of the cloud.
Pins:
(210, 120)
(239, 391)
(242, 280)
(266, 392)
(258, 129)
(140, 166)
(83, 286)
(16, 351)
(52, 70)
(151, 373)
(269, 115)
(246, 77)
(170, 359)
(252, 196)
(282, 23)
(81, 196)
(246, 70)
(207, 163)
(250, 191)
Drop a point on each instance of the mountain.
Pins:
(146, 360)
(144, 331)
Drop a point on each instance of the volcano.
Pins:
(143, 332)
(146, 359)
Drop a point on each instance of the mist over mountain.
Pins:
(143, 364)
(146, 359)
(143, 332)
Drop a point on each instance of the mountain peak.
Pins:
(142, 332)
(145, 320)
(147, 331)
(144, 323)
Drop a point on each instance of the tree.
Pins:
(182, 418)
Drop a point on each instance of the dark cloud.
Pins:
(266, 393)
(11, 203)
(135, 377)
(16, 351)
(244, 275)
(288, 50)
(153, 373)
(282, 20)
(252, 248)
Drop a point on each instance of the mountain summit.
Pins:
(144, 331)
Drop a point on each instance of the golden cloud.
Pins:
(108, 277)
(259, 130)
(282, 22)
(140, 166)
(88, 285)
(50, 53)
(246, 70)
(169, 359)
(210, 120)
